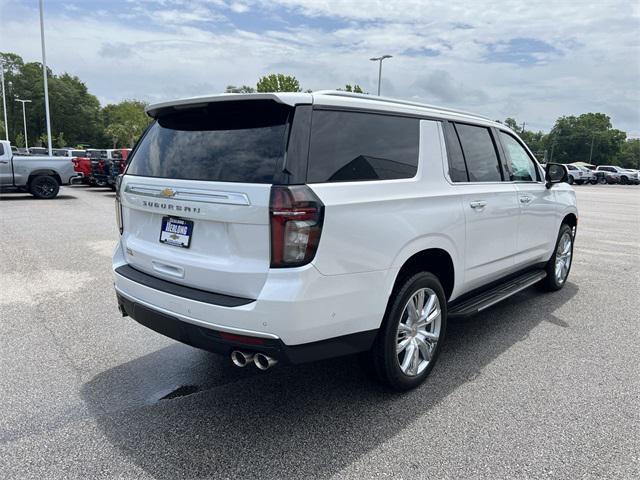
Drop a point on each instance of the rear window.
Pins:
(350, 146)
(223, 141)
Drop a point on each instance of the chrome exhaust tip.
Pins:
(241, 359)
(264, 362)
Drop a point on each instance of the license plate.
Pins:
(176, 231)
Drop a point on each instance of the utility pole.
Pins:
(24, 120)
(553, 147)
(522, 131)
(46, 86)
(379, 59)
(4, 103)
(593, 136)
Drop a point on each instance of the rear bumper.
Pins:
(224, 343)
(295, 306)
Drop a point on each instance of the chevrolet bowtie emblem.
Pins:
(167, 192)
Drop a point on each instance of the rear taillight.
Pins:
(296, 223)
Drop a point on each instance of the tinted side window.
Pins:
(523, 167)
(457, 167)
(350, 146)
(1, 149)
(479, 153)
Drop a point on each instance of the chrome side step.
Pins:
(494, 295)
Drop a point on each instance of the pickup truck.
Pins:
(39, 175)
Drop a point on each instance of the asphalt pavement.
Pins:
(539, 386)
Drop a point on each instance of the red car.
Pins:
(82, 165)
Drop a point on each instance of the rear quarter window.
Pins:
(356, 146)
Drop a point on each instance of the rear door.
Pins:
(538, 208)
(6, 170)
(489, 202)
(196, 194)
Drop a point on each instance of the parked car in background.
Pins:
(587, 176)
(82, 166)
(623, 176)
(99, 167)
(39, 175)
(69, 152)
(38, 151)
(15, 150)
(117, 164)
(300, 226)
(634, 176)
(575, 174)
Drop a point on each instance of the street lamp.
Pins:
(24, 119)
(379, 59)
(46, 86)
(4, 103)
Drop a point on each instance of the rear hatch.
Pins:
(195, 196)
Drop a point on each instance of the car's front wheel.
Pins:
(571, 180)
(412, 331)
(44, 186)
(559, 264)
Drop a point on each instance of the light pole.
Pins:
(24, 120)
(4, 103)
(46, 86)
(379, 59)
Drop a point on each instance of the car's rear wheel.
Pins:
(571, 180)
(593, 182)
(602, 181)
(44, 186)
(559, 264)
(412, 331)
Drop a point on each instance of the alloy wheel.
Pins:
(418, 332)
(563, 257)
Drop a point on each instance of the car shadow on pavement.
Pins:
(27, 196)
(310, 420)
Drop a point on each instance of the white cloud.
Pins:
(157, 50)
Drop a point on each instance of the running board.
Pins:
(496, 294)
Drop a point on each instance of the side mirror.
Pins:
(555, 173)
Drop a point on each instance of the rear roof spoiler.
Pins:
(285, 98)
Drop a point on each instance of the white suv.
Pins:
(294, 227)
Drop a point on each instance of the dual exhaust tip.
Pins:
(260, 360)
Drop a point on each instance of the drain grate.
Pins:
(182, 391)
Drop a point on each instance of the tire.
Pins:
(602, 181)
(579, 182)
(593, 182)
(397, 370)
(624, 180)
(571, 180)
(44, 186)
(555, 278)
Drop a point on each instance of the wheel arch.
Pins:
(436, 260)
(46, 172)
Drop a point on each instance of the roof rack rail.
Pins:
(365, 96)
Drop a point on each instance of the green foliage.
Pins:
(42, 141)
(125, 122)
(60, 141)
(355, 88)
(629, 156)
(19, 140)
(73, 109)
(242, 89)
(588, 136)
(278, 82)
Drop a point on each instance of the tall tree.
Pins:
(352, 88)
(588, 136)
(278, 82)
(125, 122)
(629, 156)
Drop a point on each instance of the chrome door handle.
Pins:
(478, 204)
(525, 199)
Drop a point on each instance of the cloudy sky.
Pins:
(532, 60)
